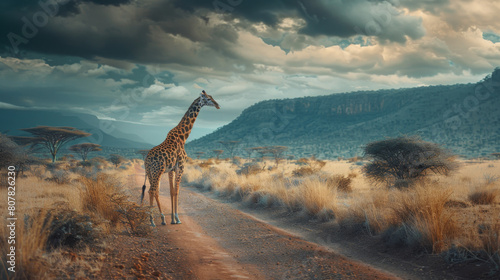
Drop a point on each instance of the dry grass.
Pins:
(367, 212)
(304, 171)
(490, 238)
(483, 197)
(75, 213)
(97, 194)
(434, 215)
(341, 183)
(30, 245)
(484, 194)
(423, 209)
(315, 196)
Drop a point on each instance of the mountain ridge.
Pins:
(462, 117)
(24, 118)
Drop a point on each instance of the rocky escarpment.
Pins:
(463, 118)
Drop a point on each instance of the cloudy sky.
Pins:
(145, 61)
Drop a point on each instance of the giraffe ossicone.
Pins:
(170, 156)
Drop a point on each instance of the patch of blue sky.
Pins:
(491, 36)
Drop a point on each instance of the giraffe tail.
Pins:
(143, 189)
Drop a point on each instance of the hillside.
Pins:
(463, 118)
(106, 137)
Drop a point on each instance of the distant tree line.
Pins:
(17, 149)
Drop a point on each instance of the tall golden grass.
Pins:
(315, 196)
(97, 194)
(30, 246)
(425, 214)
(48, 205)
(423, 208)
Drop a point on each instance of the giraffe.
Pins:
(170, 156)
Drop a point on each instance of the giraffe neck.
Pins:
(186, 124)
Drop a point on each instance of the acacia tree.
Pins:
(84, 149)
(199, 154)
(116, 159)
(262, 151)
(53, 138)
(218, 153)
(249, 152)
(401, 161)
(230, 146)
(277, 152)
(143, 153)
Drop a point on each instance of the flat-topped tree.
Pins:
(277, 152)
(230, 146)
(28, 142)
(143, 153)
(53, 138)
(116, 159)
(218, 153)
(249, 152)
(261, 151)
(84, 149)
(199, 154)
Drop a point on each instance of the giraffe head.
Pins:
(206, 99)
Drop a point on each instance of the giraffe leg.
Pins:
(157, 196)
(151, 197)
(178, 177)
(176, 215)
(172, 194)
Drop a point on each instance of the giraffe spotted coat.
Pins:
(170, 157)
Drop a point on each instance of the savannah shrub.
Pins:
(405, 159)
(304, 171)
(250, 168)
(340, 183)
(483, 197)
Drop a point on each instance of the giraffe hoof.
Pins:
(153, 225)
(163, 223)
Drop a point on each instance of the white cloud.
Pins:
(232, 89)
(195, 85)
(165, 115)
(177, 93)
(114, 108)
(4, 105)
(153, 90)
(163, 84)
(27, 67)
(201, 81)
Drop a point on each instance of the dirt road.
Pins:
(217, 241)
(245, 247)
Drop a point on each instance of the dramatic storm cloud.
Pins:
(95, 56)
